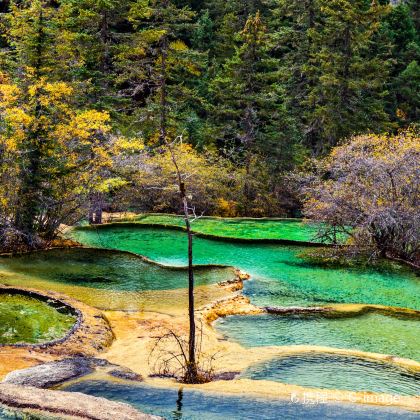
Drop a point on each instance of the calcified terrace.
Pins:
(135, 313)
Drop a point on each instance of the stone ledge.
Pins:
(71, 405)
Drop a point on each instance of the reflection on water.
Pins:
(279, 276)
(337, 372)
(371, 332)
(187, 404)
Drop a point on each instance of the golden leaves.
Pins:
(8, 94)
(132, 145)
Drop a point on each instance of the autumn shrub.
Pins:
(368, 190)
(153, 181)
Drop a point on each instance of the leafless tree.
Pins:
(368, 191)
(191, 372)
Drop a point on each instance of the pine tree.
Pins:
(399, 32)
(157, 68)
(229, 18)
(294, 24)
(95, 29)
(350, 81)
(338, 80)
(249, 112)
(203, 35)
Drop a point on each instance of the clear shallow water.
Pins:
(280, 276)
(371, 332)
(24, 319)
(186, 405)
(295, 230)
(337, 372)
(106, 270)
(6, 414)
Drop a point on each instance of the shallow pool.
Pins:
(280, 276)
(28, 320)
(283, 229)
(109, 280)
(8, 414)
(185, 404)
(372, 332)
(109, 270)
(337, 372)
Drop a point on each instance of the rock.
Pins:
(125, 373)
(69, 405)
(296, 310)
(226, 376)
(52, 373)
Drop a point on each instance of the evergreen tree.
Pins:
(399, 31)
(338, 80)
(203, 35)
(249, 114)
(229, 18)
(293, 33)
(95, 29)
(350, 81)
(407, 84)
(157, 67)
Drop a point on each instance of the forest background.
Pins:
(248, 93)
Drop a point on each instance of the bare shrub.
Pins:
(368, 190)
(169, 357)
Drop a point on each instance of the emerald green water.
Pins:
(28, 320)
(289, 229)
(108, 270)
(337, 372)
(280, 276)
(371, 332)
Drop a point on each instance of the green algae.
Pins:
(280, 276)
(371, 332)
(28, 320)
(337, 372)
(237, 228)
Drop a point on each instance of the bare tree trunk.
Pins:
(191, 368)
(96, 208)
(163, 95)
(191, 375)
